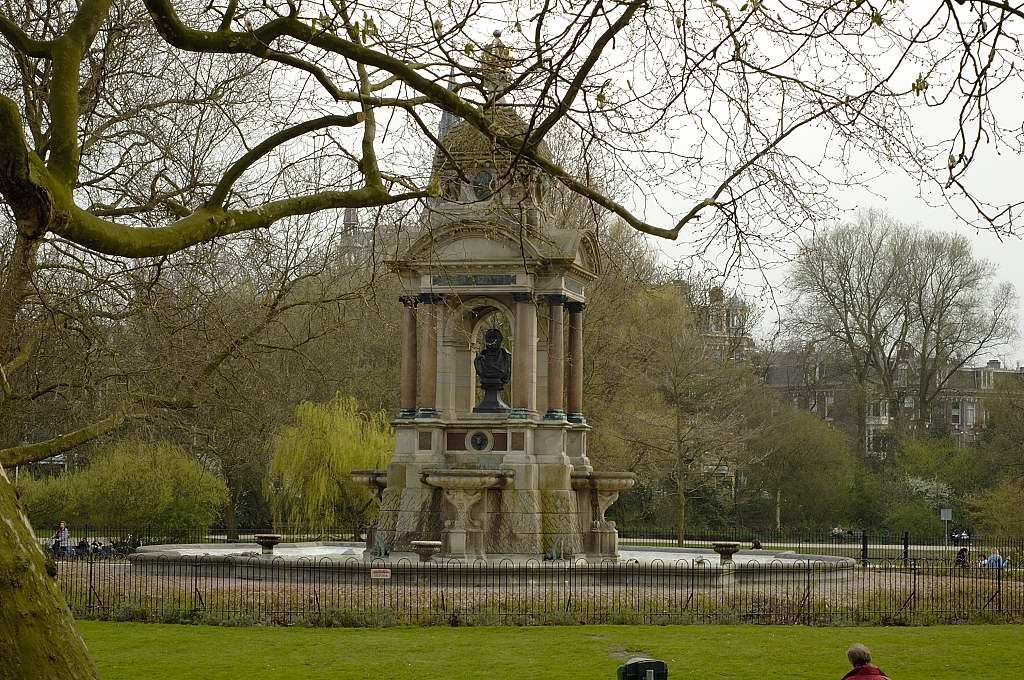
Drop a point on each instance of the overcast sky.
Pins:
(898, 194)
(996, 177)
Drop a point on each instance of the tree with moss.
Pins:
(310, 486)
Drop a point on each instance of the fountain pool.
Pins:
(350, 562)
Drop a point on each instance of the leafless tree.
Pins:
(902, 307)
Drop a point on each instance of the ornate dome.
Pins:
(480, 158)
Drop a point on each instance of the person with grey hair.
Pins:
(860, 658)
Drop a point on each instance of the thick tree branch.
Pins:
(68, 52)
(21, 41)
(220, 193)
(32, 453)
(206, 224)
(20, 171)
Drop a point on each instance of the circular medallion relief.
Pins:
(479, 441)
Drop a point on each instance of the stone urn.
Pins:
(267, 542)
(725, 550)
(465, 489)
(426, 549)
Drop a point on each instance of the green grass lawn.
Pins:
(126, 651)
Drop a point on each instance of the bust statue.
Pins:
(493, 368)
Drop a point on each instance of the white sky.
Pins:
(996, 176)
(898, 195)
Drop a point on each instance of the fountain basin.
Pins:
(466, 480)
(725, 550)
(604, 481)
(267, 542)
(426, 549)
(377, 479)
(344, 563)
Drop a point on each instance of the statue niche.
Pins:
(493, 368)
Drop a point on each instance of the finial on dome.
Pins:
(496, 64)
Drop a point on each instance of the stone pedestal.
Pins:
(596, 492)
(463, 532)
(603, 541)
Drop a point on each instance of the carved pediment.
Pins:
(472, 242)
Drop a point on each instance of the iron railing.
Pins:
(861, 544)
(867, 546)
(353, 592)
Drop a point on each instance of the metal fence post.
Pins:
(999, 589)
(906, 547)
(864, 547)
(913, 587)
(92, 583)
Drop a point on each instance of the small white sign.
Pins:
(380, 573)
(946, 514)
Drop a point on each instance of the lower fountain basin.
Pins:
(466, 480)
(344, 562)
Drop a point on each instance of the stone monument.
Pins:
(491, 478)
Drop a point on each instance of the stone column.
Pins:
(428, 355)
(407, 396)
(575, 362)
(524, 361)
(556, 360)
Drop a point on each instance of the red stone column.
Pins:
(556, 358)
(524, 361)
(429, 318)
(575, 362)
(407, 396)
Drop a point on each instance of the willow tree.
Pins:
(349, 95)
(310, 482)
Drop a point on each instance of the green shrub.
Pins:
(310, 484)
(135, 485)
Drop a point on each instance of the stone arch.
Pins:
(460, 341)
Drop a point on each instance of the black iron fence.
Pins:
(867, 546)
(890, 579)
(133, 537)
(861, 544)
(353, 592)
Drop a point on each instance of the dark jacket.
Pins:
(866, 671)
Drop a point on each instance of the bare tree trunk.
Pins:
(862, 418)
(38, 636)
(230, 517)
(681, 512)
(897, 423)
(13, 289)
(778, 509)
